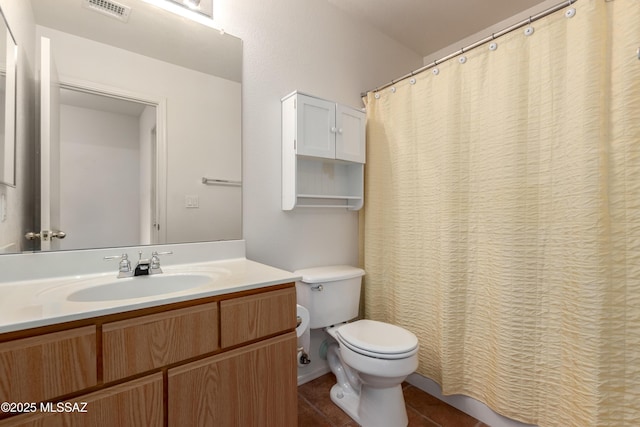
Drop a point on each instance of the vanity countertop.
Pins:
(34, 303)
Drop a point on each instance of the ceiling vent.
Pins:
(109, 8)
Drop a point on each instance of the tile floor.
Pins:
(315, 408)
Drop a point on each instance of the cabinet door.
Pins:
(316, 127)
(134, 403)
(350, 136)
(254, 385)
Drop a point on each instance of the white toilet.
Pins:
(370, 359)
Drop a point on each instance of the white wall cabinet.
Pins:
(323, 153)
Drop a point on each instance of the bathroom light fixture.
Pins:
(197, 10)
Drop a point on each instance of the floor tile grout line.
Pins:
(316, 409)
(424, 416)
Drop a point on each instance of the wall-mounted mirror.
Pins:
(8, 53)
(148, 125)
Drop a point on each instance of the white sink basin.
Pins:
(140, 287)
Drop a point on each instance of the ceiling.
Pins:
(426, 26)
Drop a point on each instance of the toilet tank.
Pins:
(331, 294)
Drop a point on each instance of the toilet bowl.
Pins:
(370, 359)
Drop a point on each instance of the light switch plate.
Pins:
(191, 201)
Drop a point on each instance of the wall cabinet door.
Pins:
(329, 130)
(251, 386)
(350, 134)
(316, 127)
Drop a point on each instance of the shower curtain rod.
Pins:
(493, 36)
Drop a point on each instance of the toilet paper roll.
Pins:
(303, 316)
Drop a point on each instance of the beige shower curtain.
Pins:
(502, 218)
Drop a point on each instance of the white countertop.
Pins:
(33, 303)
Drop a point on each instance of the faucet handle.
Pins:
(124, 267)
(155, 261)
(161, 253)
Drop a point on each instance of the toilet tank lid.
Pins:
(329, 273)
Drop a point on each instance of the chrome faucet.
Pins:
(124, 267)
(144, 267)
(149, 266)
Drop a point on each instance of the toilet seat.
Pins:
(377, 339)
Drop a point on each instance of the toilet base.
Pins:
(373, 407)
(348, 402)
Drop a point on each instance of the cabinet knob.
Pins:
(340, 131)
(333, 129)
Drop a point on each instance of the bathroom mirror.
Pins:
(8, 52)
(175, 84)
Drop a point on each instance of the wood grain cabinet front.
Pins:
(228, 361)
(46, 366)
(137, 403)
(257, 316)
(253, 385)
(138, 345)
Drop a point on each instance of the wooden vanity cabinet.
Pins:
(162, 365)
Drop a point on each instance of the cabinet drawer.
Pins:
(43, 367)
(138, 345)
(135, 403)
(255, 316)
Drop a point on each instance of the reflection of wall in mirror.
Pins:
(93, 144)
(203, 132)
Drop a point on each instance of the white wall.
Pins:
(313, 47)
(19, 199)
(94, 144)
